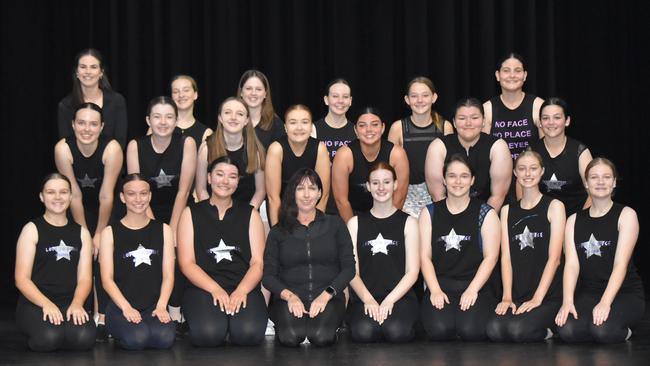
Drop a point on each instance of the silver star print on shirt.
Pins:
(87, 182)
(592, 246)
(222, 251)
(140, 255)
(526, 238)
(163, 180)
(554, 184)
(452, 240)
(62, 250)
(380, 245)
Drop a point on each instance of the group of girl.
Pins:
(426, 202)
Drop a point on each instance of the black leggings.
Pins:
(320, 331)
(398, 327)
(180, 285)
(43, 336)
(149, 333)
(451, 322)
(102, 296)
(625, 311)
(526, 327)
(209, 325)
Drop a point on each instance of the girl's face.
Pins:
(420, 98)
(253, 92)
(136, 195)
(89, 71)
(56, 196)
(553, 121)
(183, 94)
(87, 126)
(511, 76)
(233, 117)
(338, 99)
(381, 185)
(224, 179)
(162, 120)
(528, 171)
(298, 125)
(458, 180)
(369, 128)
(600, 181)
(468, 122)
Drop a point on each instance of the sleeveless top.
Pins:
(273, 134)
(334, 138)
(137, 262)
(561, 179)
(56, 258)
(89, 173)
(529, 232)
(479, 159)
(416, 142)
(516, 126)
(595, 240)
(222, 247)
(456, 244)
(195, 131)
(292, 163)
(358, 196)
(163, 172)
(246, 187)
(381, 253)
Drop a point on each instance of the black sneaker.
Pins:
(102, 335)
(181, 329)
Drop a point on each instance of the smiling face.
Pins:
(136, 196)
(224, 179)
(162, 120)
(233, 117)
(554, 121)
(458, 179)
(338, 99)
(369, 128)
(381, 185)
(307, 196)
(87, 126)
(89, 71)
(253, 92)
(511, 76)
(468, 122)
(420, 98)
(528, 170)
(56, 195)
(298, 125)
(601, 181)
(183, 93)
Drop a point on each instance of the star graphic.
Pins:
(554, 184)
(526, 238)
(140, 255)
(87, 182)
(222, 251)
(62, 250)
(163, 180)
(592, 246)
(380, 245)
(452, 240)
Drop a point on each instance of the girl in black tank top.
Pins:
(166, 159)
(220, 251)
(137, 265)
(534, 228)
(383, 304)
(603, 294)
(291, 152)
(184, 93)
(53, 275)
(464, 235)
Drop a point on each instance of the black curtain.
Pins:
(591, 54)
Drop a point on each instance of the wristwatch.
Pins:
(331, 290)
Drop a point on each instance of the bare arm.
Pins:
(487, 108)
(132, 160)
(400, 163)
(253, 276)
(433, 164)
(260, 190)
(25, 254)
(412, 262)
(570, 276)
(323, 168)
(63, 160)
(448, 128)
(341, 169)
(506, 263)
(584, 160)
(168, 264)
(84, 270)
(557, 218)
(395, 133)
(491, 236)
(357, 283)
(273, 180)
(537, 105)
(107, 268)
(500, 174)
(426, 264)
(188, 170)
(628, 233)
(113, 161)
(201, 181)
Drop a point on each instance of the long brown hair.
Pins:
(266, 120)
(255, 153)
(437, 119)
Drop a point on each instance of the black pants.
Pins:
(209, 325)
(625, 311)
(43, 336)
(398, 327)
(149, 333)
(451, 322)
(526, 327)
(181, 284)
(320, 331)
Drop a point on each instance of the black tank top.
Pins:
(456, 244)
(529, 232)
(595, 240)
(246, 187)
(222, 247)
(479, 159)
(561, 179)
(195, 131)
(516, 126)
(358, 196)
(54, 271)
(334, 138)
(292, 163)
(381, 252)
(416, 142)
(89, 173)
(271, 135)
(163, 172)
(137, 262)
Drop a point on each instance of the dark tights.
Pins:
(526, 327)
(149, 333)
(398, 327)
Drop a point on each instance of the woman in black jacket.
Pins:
(307, 263)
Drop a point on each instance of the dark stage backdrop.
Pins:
(590, 53)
